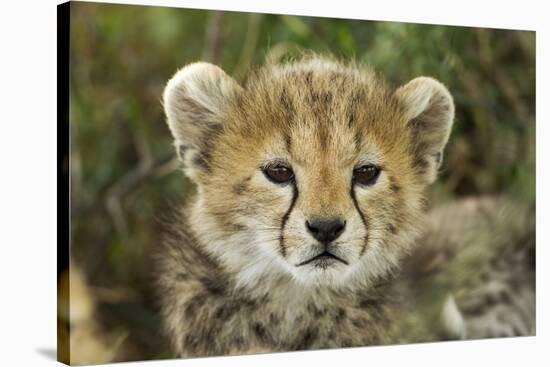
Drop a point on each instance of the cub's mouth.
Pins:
(323, 260)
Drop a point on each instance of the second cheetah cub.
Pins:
(311, 183)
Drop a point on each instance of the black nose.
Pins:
(325, 230)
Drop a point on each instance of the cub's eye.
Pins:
(278, 174)
(366, 175)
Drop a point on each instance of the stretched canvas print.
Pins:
(256, 183)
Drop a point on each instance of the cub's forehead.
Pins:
(321, 105)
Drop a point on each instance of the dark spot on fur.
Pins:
(190, 309)
(313, 97)
(392, 228)
(250, 303)
(225, 311)
(421, 163)
(287, 103)
(308, 77)
(357, 98)
(357, 139)
(346, 343)
(315, 311)
(327, 98)
(190, 341)
(260, 332)
(359, 322)
(239, 227)
(491, 299)
(199, 160)
(307, 339)
(194, 305)
(273, 320)
(395, 187)
(182, 276)
(505, 297)
(241, 187)
(368, 303)
(333, 77)
(288, 141)
(474, 311)
(340, 315)
(351, 119)
(214, 286)
(210, 332)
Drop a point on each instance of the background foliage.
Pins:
(124, 175)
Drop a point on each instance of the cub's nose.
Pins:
(325, 230)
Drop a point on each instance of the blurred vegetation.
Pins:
(123, 172)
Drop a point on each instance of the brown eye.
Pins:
(366, 175)
(278, 174)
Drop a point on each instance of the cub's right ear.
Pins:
(195, 100)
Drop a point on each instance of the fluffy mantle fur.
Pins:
(477, 253)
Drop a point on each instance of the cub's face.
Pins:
(313, 171)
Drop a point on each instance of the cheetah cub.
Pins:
(308, 227)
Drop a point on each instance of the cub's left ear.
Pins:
(429, 110)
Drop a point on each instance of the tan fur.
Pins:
(231, 278)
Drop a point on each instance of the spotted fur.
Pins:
(236, 275)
